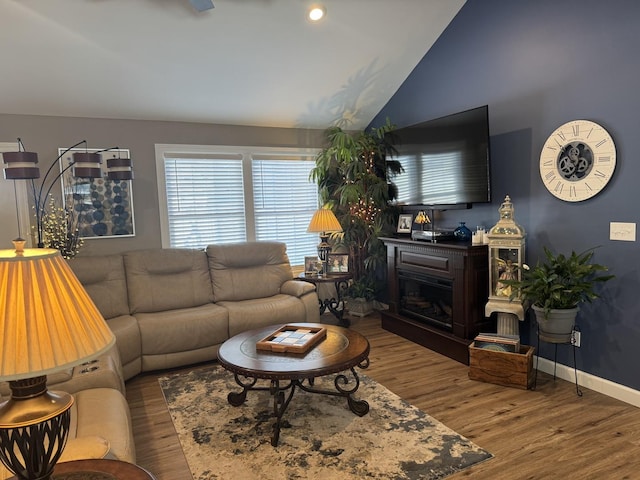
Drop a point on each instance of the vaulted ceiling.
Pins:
(245, 62)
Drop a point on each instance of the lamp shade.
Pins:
(21, 165)
(324, 220)
(422, 218)
(87, 165)
(48, 322)
(119, 169)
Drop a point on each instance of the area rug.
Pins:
(321, 438)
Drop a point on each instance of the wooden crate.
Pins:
(502, 368)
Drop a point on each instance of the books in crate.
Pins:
(498, 342)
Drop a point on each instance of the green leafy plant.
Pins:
(365, 288)
(351, 173)
(560, 282)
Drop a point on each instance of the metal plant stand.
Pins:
(555, 362)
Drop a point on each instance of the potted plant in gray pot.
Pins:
(556, 287)
(361, 295)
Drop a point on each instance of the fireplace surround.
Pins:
(437, 293)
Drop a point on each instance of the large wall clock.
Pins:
(577, 160)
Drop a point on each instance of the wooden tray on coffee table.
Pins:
(292, 339)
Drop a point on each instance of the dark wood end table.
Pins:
(341, 351)
(334, 304)
(99, 469)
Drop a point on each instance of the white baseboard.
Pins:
(586, 380)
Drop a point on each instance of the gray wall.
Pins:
(45, 135)
(539, 64)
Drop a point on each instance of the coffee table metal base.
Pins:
(339, 353)
(283, 393)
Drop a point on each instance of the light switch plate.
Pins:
(622, 231)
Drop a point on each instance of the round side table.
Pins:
(334, 304)
(99, 469)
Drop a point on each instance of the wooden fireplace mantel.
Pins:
(465, 267)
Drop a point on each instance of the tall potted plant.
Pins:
(556, 287)
(351, 173)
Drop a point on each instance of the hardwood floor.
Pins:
(549, 433)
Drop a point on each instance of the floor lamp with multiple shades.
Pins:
(22, 165)
(324, 222)
(48, 323)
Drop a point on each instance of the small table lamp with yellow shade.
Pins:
(324, 222)
(422, 218)
(48, 323)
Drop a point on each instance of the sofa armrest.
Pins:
(82, 448)
(297, 288)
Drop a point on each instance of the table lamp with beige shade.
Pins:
(324, 222)
(48, 323)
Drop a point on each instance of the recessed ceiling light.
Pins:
(316, 13)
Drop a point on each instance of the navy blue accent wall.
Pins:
(539, 64)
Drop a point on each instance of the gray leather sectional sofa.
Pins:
(175, 307)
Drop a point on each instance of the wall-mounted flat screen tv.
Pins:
(445, 161)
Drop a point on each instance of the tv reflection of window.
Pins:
(431, 176)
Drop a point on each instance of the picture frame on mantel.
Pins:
(104, 207)
(405, 220)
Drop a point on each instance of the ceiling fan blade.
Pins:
(202, 5)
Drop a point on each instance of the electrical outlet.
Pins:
(575, 338)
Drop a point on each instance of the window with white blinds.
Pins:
(283, 202)
(231, 194)
(205, 201)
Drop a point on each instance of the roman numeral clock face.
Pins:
(577, 160)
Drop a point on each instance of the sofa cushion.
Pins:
(248, 314)
(242, 271)
(104, 280)
(159, 280)
(183, 330)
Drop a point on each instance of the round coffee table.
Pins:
(341, 351)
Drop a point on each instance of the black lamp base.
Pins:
(324, 249)
(34, 426)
